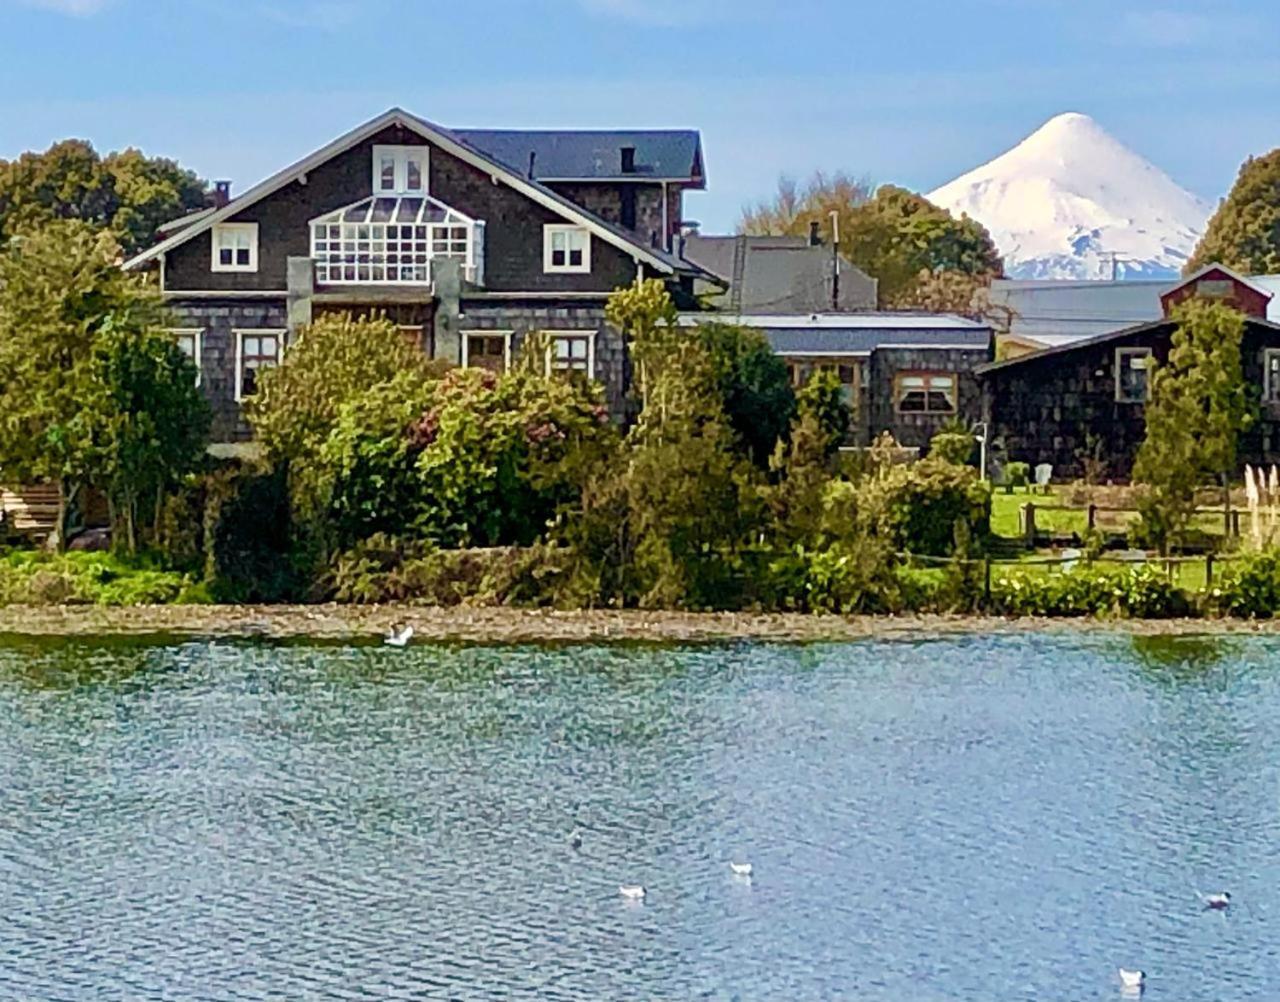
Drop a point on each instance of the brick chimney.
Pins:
(628, 159)
(815, 238)
(221, 193)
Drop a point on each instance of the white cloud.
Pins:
(76, 8)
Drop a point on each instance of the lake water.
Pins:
(1008, 818)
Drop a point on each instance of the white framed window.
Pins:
(235, 247)
(1271, 375)
(1133, 375)
(392, 241)
(190, 342)
(255, 350)
(572, 351)
(400, 170)
(485, 349)
(925, 392)
(565, 248)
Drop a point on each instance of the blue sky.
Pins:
(911, 92)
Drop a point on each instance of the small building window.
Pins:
(400, 170)
(572, 353)
(188, 342)
(925, 393)
(1271, 376)
(1133, 375)
(487, 350)
(235, 247)
(255, 350)
(566, 249)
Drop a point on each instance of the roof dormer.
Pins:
(1218, 282)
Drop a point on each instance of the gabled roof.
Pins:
(1235, 276)
(593, 155)
(447, 141)
(1124, 332)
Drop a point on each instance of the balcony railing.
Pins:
(393, 241)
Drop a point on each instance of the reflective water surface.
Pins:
(1005, 818)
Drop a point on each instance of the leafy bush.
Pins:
(1017, 475)
(384, 569)
(953, 444)
(822, 396)
(1249, 587)
(247, 537)
(1136, 593)
(921, 504)
(753, 383)
(37, 577)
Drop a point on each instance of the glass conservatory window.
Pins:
(389, 240)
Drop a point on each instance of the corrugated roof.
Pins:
(853, 334)
(590, 155)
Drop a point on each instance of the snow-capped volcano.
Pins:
(1067, 198)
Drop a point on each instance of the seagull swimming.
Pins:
(632, 892)
(1132, 979)
(1218, 902)
(741, 869)
(400, 639)
(575, 840)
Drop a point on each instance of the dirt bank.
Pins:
(339, 622)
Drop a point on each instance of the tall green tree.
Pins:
(1244, 233)
(895, 235)
(84, 383)
(1199, 407)
(125, 192)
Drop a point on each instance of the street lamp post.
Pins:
(980, 433)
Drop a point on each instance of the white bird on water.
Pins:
(632, 892)
(1132, 979)
(740, 869)
(1218, 902)
(400, 639)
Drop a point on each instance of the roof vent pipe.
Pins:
(533, 156)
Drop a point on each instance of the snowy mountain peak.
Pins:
(1070, 198)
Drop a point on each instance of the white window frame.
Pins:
(1122, 354)
(197, 337)
(927, 376)
(229, 228)
(553, 336)
(240, 333)
(1267, 355)
(401, 155)
(549, 232)
(506, 345)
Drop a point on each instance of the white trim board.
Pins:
(440, 137)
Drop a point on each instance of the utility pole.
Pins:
(835, 259)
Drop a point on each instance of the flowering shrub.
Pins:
(1138, 593)
(1249, 587)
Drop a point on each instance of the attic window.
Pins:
(235, 247)
(1215, 288)
(400, 170)
(566, 249)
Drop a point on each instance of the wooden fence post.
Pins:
(986, 585)
(1029, 524)
(1235, 523)
(1208, 570)
(1093, 515)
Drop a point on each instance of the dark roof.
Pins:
(852, 334)
(780, 274)
(1124, 332)
(587, 155)
(443, 136)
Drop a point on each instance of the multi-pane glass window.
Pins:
(1133, 368)
(390, 240)
(1271, 381)
(571, 352)
(399, 169)
(487, 351)
(925, 393)
(188, 342)
(566, 248)
(235, 247)
(258, 350)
